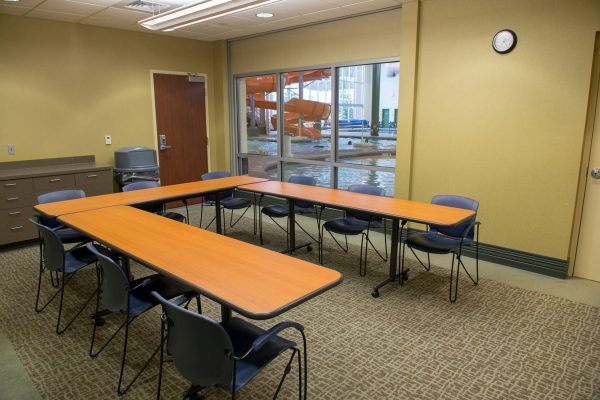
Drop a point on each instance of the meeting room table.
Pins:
(161, 194)
(399, 211)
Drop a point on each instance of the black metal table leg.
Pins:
(396, 235)
(225, 313)
(292, 227)
(218, 213)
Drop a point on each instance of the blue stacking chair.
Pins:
(227, 355)
(357, 223)
(130, 299)
(65, 263)
(66, 234)
(228, 201)
(283, 210)
(156, 208)
(448, 239)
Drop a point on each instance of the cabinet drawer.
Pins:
(16, 200)
(94, 183)
(46, 184)
(15, 226)
(16, 186)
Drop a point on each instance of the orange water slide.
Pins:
(295, 109)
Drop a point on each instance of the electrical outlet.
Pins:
(11, 149)
(107, 139)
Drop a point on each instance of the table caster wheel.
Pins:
(375, 293)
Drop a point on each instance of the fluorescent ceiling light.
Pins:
(199, 12)
(264, 15)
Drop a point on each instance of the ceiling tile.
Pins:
(208, 29)
(326, 15)
(23, 3)
(117, 16)
(70, 7)
(13, 10)
(187, 35)
(58, 16)
(105, 3)
(371, 5)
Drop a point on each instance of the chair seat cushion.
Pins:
(70, 235)
(77, 258)
(141, 299)
(432, 242)
(234, 203)
(276, 211)
(173, 215)
(346, 226)
(242, 334)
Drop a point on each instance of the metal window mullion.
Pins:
(280, 124)
(333, 176)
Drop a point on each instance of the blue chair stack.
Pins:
(156, 208)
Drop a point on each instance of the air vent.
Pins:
(151, 6)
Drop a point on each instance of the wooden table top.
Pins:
(162, 193)
(389, 207)
(251, 280)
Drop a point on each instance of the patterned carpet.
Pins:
(495, 342)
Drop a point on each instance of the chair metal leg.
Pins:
(62, 292)
(453, 297)
(162, 355)
(286, 371)
(361, 271)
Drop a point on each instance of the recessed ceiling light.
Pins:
(12, 1)
(264, 15)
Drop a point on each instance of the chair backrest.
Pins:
(200, 347)
(115, 285)
(59, 195)
(458, 202)
(140, 185)
(365, 189)
(216, 175)
(144, 185)
(53, 248)
(303, 180)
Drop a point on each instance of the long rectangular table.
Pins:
(248, 279)
(398, 210)
(161, 194)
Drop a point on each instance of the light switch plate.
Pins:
(11, 149)
(107, 139)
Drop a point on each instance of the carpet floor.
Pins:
(495, 342)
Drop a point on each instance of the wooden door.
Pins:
(181, 128)
(587, 259)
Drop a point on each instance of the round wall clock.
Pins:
(504, 41)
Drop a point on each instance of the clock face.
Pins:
(504, 41)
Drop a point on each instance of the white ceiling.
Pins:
(287, 13)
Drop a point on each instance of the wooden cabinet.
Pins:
(21, 182)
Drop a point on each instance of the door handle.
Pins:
(595, 173)
(163, 142)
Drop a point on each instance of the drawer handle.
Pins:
(55, 180)
(12, 199)
(92, 176)
(10, 184)
(16, 228)
(15, 213)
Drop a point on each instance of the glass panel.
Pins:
(307, 114)
(321, 172)
(350, 176)
(257, 121)
(260, 167)
(368, 114)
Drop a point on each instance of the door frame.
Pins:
(593, 99)
(155, 128)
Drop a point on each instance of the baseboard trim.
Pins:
(540, 264)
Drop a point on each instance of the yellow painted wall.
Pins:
(505, 129)
(353, 39)
(64, 86)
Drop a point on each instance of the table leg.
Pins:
(225, 313)
(218, 213)
(292, 226)
(396, 235)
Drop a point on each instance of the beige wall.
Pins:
(354, 39)
(64, 86)
(504, 129)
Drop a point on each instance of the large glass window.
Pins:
(337, 124)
